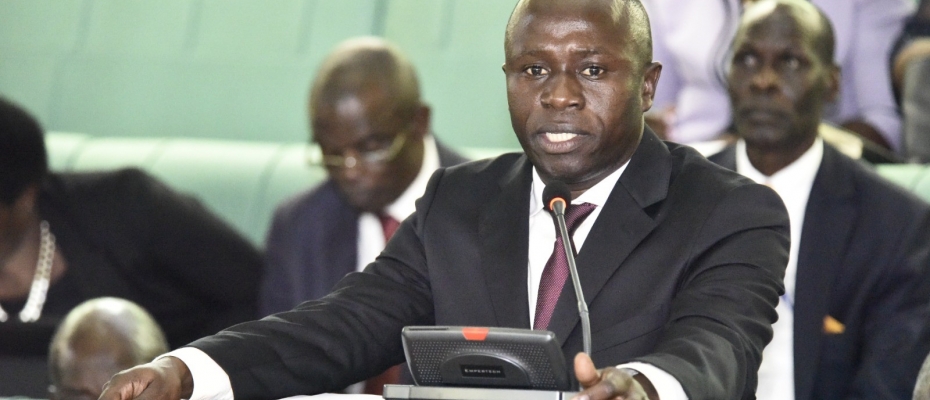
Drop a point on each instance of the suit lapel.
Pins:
(447, 157)
(828, 221)
(504, 235)
(619, 229)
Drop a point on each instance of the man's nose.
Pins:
(563, 91)
(765, 79)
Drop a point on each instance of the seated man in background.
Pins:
(851, 321)
(69, 237)
(374, 135)
(692, 41)
(911, 78)
(97, 339)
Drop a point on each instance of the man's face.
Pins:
(386, 148)
(778, 84)
(577, 92)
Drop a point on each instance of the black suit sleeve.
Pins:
(350, 335)
(721, 317)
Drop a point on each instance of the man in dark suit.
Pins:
(374, 135)
(851, 322)
(681, 261)
(366, 111)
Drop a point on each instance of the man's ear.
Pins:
(834, 77)
(421, 121)
(650, 82)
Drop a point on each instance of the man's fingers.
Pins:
(585, 371)
(152, 381)
(123, 387)
(608, 383)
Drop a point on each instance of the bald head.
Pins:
(629, 14)
(802, 13)
(361, 66)
(97, 339)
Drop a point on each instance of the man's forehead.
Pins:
(791, 17)
(538, 31)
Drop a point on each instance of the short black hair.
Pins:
(23, 159)
(633, 10)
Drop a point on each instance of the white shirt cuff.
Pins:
(210, 381)
(667, 387)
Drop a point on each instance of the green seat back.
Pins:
(63, 148)
(228, 176)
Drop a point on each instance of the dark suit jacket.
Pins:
(863, 259)
(682, 269)
(313, 243)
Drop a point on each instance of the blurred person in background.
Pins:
(693, 39)
(911, 77)
(69, 237)
(851, 323)
(97, 339)
(373, 133)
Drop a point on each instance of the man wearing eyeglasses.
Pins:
(372, 132)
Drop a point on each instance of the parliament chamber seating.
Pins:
(243, 181)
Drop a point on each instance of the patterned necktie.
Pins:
(556, 271)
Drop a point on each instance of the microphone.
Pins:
(557, 196)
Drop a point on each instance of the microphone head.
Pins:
(556, 190)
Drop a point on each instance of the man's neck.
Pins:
(770, 160)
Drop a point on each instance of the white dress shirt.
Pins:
(542, 241)
(793, 184)
(211, 382)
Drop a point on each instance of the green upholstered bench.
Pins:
(913, 177)
(243, 181)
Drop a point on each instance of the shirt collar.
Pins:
(405, 205)
(798, 174)
(596, 195)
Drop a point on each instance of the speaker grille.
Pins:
(432, 353)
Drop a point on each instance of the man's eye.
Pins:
(535, 70)
(592, 71)
(792, 63)
(747, 60)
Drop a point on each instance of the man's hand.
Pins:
(164, 379)
(609, 383)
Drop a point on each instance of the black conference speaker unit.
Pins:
(465, 363)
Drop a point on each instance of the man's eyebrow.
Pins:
(588, 52)
(585, 52)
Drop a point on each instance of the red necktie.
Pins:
(556, 271)
(392, 375)
(389, 225)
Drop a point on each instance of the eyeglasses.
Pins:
(382, 154)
